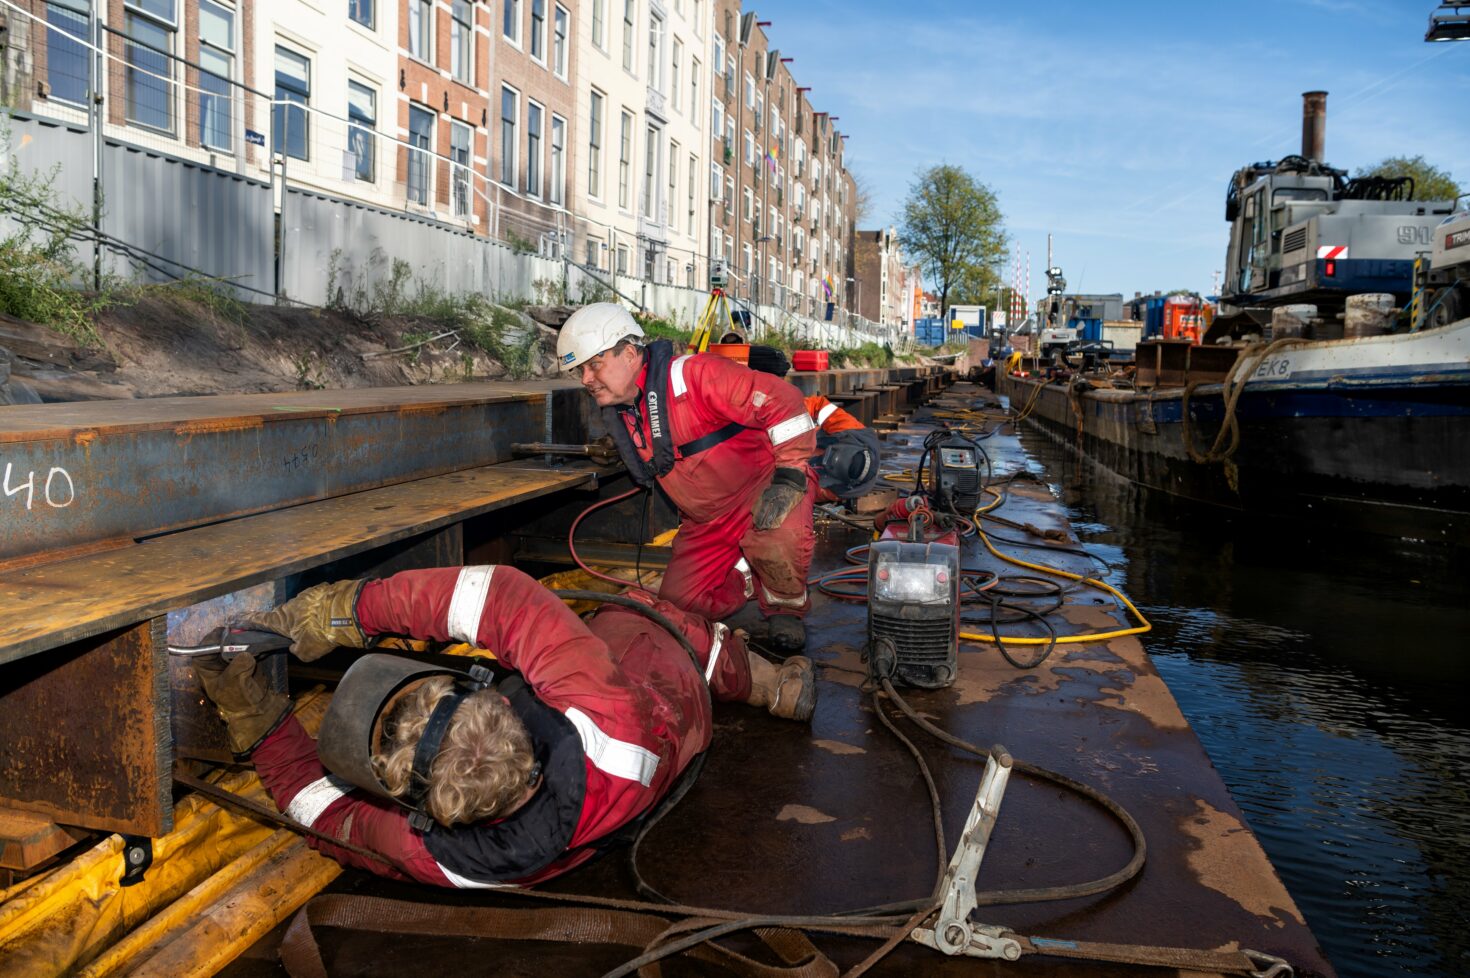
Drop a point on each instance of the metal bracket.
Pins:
(597, 451)
(137, 857)
(953, 932)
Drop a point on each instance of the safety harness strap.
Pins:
(710, 440)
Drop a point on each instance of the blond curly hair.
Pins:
(484, 763)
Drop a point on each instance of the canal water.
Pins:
(1326, 676)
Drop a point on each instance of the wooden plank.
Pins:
(107, 765)
(27, 840)
(53, 604)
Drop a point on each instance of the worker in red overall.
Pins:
(458, 781)
(729, 446)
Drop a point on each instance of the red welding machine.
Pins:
(913, 597)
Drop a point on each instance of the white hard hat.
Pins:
(592, 330)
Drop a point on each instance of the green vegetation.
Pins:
(952, 226)
(663, 328)
(1430, 182)
(39, 270)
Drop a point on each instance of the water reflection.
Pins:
(1321, 674)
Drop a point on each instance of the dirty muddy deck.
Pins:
(790, 820)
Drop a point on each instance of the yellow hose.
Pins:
(1144, 626)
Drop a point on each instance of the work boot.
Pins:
(788, 634)
(796, 690)
(788, 691)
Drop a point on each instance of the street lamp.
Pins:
(859, 284)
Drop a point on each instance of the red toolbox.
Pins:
(809, 360)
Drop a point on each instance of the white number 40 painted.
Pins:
(59, 491)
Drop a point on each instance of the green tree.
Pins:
(952, 226)
(1430, 182)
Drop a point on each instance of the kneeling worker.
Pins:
(460, 783)
(729, 445)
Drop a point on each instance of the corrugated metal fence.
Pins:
(176, 217)
(171, 217)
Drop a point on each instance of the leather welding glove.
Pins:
(250, 708)
(318, 620)
(778, 499)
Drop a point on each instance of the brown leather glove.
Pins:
(778, 499)
(250, 709)
(318, 620)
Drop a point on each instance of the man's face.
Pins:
(611, 377)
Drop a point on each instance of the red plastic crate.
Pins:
(809, 360)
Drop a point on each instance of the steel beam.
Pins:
(78, 476)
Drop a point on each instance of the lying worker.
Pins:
(515, 784)
(729, 445)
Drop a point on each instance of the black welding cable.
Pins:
(1047, 893)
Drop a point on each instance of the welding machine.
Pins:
(914, 598)
(954, 475)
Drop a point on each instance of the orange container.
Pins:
(739, 352)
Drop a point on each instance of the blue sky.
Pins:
(1116, 125)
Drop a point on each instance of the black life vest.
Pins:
(661, 431)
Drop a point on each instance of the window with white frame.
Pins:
(68, 59)
(749, 148)
(361, 11)
(629, 11)
(650, 174)
(719, 47)
(717, 118)
(462, 41)
(676, 78)
(694, 92)
(745, 257)
(625, 158)
(599, 23)
(150, 26)
(216, 69)
(672, 200)
(729, 195)
(508, 110)
(749, 90)
(510, 24)
(420, 141)
(716, 182)
(693, 182)
(594, 146)
(556, 191)
(293, 93)
(533, 149)
(622, 260)
(537, 46)
(362, 117)
(421, 29)
(656, 53)
(730, 130)
(748, 198)
(461, 138)
(560, 28)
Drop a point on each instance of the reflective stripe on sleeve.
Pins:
(468, 603)
(790, 428)
(714, 650)
(615, 757)
(465, 883)
(676, 376)
(312, 800)
(826, 413)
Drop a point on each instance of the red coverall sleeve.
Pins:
(757, 400)
(299, 785)
(829, 417)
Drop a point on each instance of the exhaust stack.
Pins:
(1314, 125)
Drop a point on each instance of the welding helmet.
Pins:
(848, 465)
(592, 330)
(345, 743)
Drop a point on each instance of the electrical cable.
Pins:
(572, 541)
